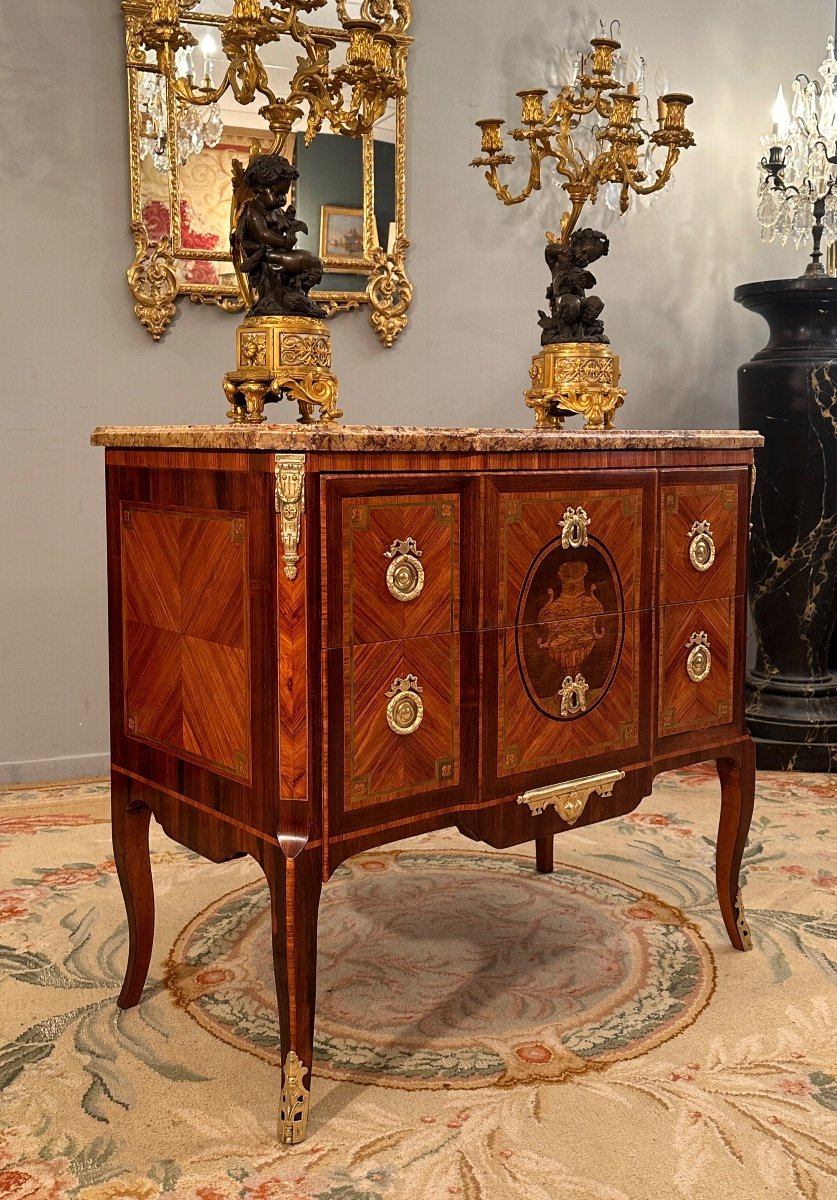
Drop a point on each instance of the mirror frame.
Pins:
(152, 276)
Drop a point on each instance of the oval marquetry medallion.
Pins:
(569, 622)
(456, 969)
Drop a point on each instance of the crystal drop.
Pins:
(214, 126)
(802, 221)
(767, 212)
(612, 196)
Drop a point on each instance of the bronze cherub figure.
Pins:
(573, 315)
(263, 242)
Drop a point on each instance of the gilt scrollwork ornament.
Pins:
(392, 15)
(701, 546)
(699, 658)
(405, 711)
(390, 292)
(573, 528)
(153, 281)
(295, 1101)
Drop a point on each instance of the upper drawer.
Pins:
(558, 542)
(702, 551)
(392, 558)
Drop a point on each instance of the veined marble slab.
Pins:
(409, 438)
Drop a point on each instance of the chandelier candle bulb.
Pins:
(780, 114)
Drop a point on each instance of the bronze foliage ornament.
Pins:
(349, 98)
(575, 371)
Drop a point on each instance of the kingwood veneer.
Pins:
(324, 640)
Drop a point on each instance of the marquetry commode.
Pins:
(323, 639)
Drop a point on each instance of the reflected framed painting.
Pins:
(341, 239)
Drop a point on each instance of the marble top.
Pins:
(394, 438)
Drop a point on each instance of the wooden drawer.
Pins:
(399, 707)
(540, 725)
(701, 550)
(396, 571)
(554, 535)
(697, 665)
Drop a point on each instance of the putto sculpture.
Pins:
(284, 347)
(573, 315)
(263, 243)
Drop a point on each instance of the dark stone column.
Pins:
(788, 392)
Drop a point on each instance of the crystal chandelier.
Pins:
(351, 96)
(196, 126)
(797, 182)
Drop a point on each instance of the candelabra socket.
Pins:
(246, 10)
(492, 138)
(532, 104)
(774, 166)
(383, 49)
(674, 117)
(361, 49)
(624, 111)
(604, 50)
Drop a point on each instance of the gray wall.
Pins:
(75, 357)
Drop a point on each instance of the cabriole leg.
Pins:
(295, 885)
(738, 783)
(130, 820)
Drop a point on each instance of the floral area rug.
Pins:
(482, 1031)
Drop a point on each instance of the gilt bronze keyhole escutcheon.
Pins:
(574, 528)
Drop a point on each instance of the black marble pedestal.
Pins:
(788, 392)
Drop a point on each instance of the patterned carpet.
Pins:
(482, 1032)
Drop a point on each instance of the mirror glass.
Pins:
(350, 193)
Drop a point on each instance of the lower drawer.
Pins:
(697, 665)
(395, 729)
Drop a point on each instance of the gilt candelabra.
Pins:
(575, 372)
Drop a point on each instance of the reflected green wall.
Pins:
(331, 172)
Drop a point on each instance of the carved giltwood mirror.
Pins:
(351, 192)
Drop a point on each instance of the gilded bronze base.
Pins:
(575, 377)
(282, 358)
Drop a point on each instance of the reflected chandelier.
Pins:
(196, 127)
(352, 96)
